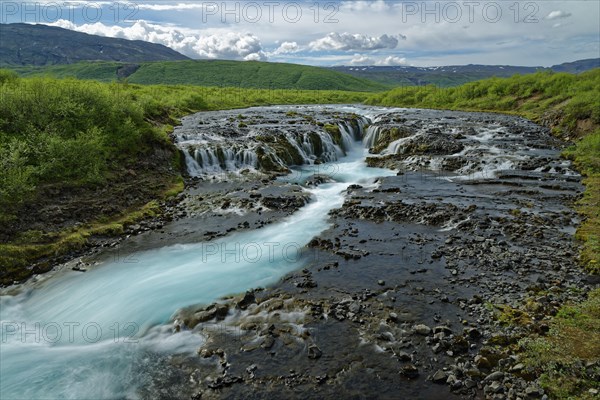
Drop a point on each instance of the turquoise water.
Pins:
(89, 335)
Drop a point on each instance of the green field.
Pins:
(242, 74)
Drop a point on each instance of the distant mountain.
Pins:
(26, 44)
(454, 75)
(577, 67)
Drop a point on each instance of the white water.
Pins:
(112, 320)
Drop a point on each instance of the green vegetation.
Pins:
(572, 98)
(561, 358)
(586, 155)
(99, 71)
(217, 73)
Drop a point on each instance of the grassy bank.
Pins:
(566, 359)
(99, 151)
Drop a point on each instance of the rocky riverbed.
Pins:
(402, 297)
(422, 285)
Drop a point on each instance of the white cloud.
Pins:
(229, 45)
(348, 41)
(360, 59)
(260, 56)
(287, 48)
(392, 60)
(558, 14)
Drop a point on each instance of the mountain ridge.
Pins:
(36, 44)
(454, 75)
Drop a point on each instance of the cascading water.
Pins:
(316, 145)
(92, 335)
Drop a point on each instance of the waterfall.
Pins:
(372, 136)
(348, 136)
(300, 147)
(192, 165)
(221, 155)
(208, 160)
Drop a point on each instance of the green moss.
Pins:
(286, 151)
(560, 358)
(389, 135)
(332, 129)
(177, 187)
(512, 316)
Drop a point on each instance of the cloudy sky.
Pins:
(419, 33)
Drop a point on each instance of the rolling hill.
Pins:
(245, 74)
(27, 44)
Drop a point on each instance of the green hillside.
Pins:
(100, 71)
(244, 74)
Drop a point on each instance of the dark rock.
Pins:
(474, 333)
(410, 371)
(314, 352)
(494, 376)
(247, 300)
(439, 377)
(533, 391)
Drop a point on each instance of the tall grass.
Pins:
(576, 97)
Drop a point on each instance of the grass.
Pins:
(586, 156)
(568, 103)
(99, 71)
(211, 73)
(562, 358)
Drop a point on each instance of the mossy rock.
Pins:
(389, 135)
(317, 143)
